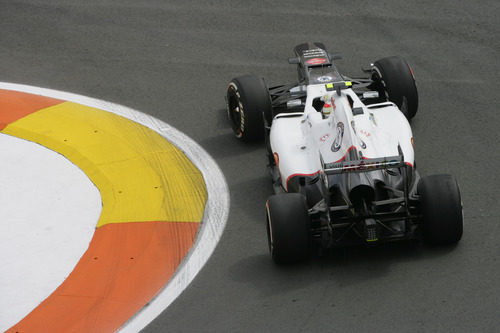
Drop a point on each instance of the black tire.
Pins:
(441, 208)
(288, 228)
(247, 100)
(394, 79)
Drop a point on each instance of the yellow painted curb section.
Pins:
(141, 176)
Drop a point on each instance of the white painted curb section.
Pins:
(216, 210)
(48, 212)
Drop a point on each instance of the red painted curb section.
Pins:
(125, 266)
(16, 105)
(127, 263)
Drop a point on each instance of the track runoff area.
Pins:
(108, 213)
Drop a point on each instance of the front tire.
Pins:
(441, 208)
(288, 228)
(393, 78)
(247, 100)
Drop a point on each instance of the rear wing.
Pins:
(363, 165)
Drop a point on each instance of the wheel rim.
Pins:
(234, 112)
(269, 230)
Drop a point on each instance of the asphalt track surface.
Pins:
(173, 60)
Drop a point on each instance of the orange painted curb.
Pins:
(126, 263)
(16, 105)
(125, 266)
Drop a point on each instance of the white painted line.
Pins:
(216, 210)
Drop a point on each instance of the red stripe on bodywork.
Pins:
(298, 175)
(345, 155)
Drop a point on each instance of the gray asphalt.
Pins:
(173, 60)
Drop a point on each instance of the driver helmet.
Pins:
(327, 107)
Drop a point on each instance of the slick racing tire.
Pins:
(247, 101)
(288, 228)
(441, 209)
(393, 78)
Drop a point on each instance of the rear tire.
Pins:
(441, 207)
(247, 100)
(288, 228)
(394, 79)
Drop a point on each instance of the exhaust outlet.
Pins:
(361, 193)
(360, 188)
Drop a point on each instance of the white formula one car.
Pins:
(341, 157)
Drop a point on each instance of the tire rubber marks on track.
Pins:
(141, 176)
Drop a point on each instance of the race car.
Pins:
(341, 157)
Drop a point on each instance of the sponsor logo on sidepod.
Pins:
(337, 143)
